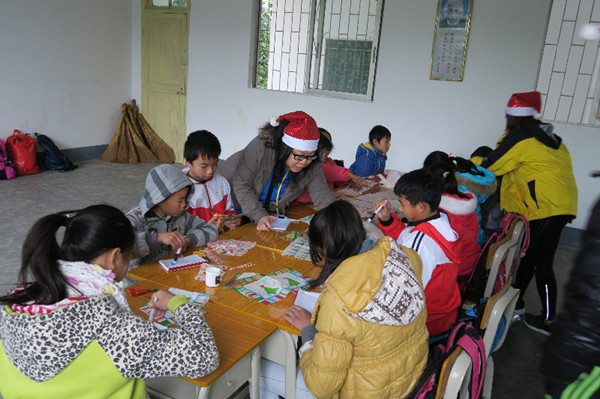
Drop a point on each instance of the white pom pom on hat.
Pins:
(589, 32)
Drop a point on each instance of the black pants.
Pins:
(544, 235)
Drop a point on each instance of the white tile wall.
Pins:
(569, 65)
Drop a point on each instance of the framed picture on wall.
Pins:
(450, 38)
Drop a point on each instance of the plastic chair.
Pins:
(500, 306)
(455, 376)
(505, 250)
(518, 231)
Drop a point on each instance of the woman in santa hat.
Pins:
(275, 167)
(537, 182)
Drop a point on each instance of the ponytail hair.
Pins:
(88, 234)
(446, 171)
(335, 234)
(458, 164)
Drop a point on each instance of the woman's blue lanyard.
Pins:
(278, 190)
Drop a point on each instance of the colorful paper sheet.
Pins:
(298, 248)
(269, 287)
(231, 247)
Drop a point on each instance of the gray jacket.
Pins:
(162, 182)
(248, 172)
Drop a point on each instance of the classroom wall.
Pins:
(68, 65)
(65, 68)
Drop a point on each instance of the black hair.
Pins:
(379, 132)
(325, 143)
(421, 185)
(201, 143)
(335, 234)
(458, 164)
(88, 234)
(446, 171)
(482, 151)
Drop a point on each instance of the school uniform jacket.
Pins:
(436, 243)
(96, 349)
(249, 170)
(464, 221)
(161, 183)
(369, 161)
(538, 180)
(371, 339)
(211, 197)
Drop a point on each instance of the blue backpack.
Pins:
(54, 159)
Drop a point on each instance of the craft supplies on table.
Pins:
(183, 262)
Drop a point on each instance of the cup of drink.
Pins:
(213, 277)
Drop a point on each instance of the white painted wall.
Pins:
(66, 66)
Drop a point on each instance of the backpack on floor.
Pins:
(474, 289)
(54, 159)
(22, 153)
(464, 335)
(7, 172)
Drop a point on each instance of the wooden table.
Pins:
(239, 353)
(268, 239)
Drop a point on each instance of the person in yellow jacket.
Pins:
(367, 336)
(537, 182)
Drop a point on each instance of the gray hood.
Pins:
(162, 182)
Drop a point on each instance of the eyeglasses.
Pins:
(301, 158)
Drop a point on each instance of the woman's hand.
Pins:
(159, 301)
(264, 224)
(384, 213)
(175, 239)
(298, 317)
(355, 180)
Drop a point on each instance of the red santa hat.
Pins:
(524, 104)
(301, 133)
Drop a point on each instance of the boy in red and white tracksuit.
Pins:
(211, 200)
(427, 230)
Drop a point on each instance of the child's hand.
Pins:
(175, 239)
(233, 223)
(264, 224)
(355, 180)
(385, 213)
(298, 317)
(159, 301)
(217, 221)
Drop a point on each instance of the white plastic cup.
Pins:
(213, 277)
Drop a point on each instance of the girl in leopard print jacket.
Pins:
(70, 332)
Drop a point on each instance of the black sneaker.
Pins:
(537, 323)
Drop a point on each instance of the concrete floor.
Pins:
(27, 198)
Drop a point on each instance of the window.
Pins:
(170, 3)
(322, 47)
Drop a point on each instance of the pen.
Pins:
(174, 261)
(369, 220)
(151, 317)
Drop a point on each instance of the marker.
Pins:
(369, 220)
(174, 261)
(151, 317)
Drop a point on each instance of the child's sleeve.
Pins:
(334, 173)
(139, 350)
(145, 241)
(198, 231)
(392, 228)
(319, 190)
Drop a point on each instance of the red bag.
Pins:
(22, 153)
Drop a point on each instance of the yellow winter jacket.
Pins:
(537, 174)
(371, 339)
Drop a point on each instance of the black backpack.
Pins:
(54, 159)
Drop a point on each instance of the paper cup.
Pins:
(213, 277)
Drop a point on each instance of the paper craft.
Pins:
(292, 235)
(212, 256)
(298, 248)
(367, 185)
(245, 265)
(364, 208)
(306, 219)
(201, 276)
(168, 319)
(231, 247)
(183, 262)
(269, 287)
(307, 300)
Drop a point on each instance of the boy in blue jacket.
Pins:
(371, 156)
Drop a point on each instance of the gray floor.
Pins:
(27, 198)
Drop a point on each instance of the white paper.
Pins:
(307, 300)
(281, 223)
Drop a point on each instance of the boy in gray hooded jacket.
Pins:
(160, 222)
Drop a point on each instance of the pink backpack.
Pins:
(7, 172)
